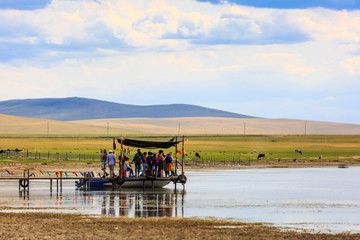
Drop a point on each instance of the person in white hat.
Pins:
(111, 159)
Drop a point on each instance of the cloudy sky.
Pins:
(266, 58)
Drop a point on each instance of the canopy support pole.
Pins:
(182, 157)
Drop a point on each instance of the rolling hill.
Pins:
(74, 108)
(10, 125)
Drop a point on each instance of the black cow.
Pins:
(10, 151)
(261, 155)
(298, 151)
(197, 155)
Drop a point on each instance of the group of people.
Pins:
(146, 163)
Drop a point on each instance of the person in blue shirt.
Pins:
(111, 159)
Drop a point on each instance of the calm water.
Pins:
(323, 199)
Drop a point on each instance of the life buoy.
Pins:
(24, 183)
(119, 180)
(182, 178)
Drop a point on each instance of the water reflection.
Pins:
(142, 204)
(126, 203)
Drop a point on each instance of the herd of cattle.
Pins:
(260, 156)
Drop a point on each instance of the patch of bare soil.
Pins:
(74, 226)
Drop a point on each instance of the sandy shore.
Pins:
(73, 226)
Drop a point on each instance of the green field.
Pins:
(211, 148)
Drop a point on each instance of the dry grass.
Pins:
(198, 125)
(73, 226)
(212, 125)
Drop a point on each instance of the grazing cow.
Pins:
(261, 155)
(294, 160)
(298, 151)
(10, 151)
(320, 157)
(197, 155)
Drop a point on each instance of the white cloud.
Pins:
(160, 51)
(352, 65)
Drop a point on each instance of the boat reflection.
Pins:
(143, 203)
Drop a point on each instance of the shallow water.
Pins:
(323, 199)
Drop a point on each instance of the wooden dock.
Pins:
(24, 181)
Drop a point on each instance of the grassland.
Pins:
(332, 148)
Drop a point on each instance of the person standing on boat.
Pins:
(103, 159)
(150, 164)
(111, 159)
(144, 163)
(137, 161)
(169, 166)
(162, 163)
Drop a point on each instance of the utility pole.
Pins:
(107, 129)
(48, 129)
(244, 129)
(305, 128)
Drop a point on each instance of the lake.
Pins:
(320, 199)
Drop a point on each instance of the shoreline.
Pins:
(95, 166)
(31, 225)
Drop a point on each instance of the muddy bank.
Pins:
(74, 226)
(95, 166)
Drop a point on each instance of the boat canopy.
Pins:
(149, 144)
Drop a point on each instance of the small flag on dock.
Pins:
(48, 173)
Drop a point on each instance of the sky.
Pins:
(266, 58)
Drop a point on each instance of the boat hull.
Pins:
(130, 182)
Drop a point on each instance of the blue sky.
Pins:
(275, 59)
(292, 4)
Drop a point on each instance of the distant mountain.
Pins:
(74, 108)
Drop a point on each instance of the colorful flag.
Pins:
(13, 174)
(24, 170)
(41, 173)
(48, 173)
(36, 172)
(179, 152)
(32, 175)
(114, 144)
(8, 172)
(66, 174)
(75, 173)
